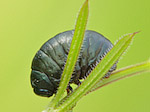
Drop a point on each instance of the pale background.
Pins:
(26, 24)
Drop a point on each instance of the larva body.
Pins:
(49, 61)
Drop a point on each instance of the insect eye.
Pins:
(36, 81)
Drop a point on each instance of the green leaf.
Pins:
(123, 73)
(73, 53)
(97, 73)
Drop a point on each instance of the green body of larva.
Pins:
(48, 63)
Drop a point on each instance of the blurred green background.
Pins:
(26, 24)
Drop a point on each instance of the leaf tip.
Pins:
(86, 2)
(137, 32)
(133, 34)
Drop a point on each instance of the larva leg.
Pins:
(77, 82)
(69, 89)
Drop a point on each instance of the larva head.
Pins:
(41, 84)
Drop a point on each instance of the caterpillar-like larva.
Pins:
(49, 61)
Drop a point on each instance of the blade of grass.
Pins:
(73, 53)
(123, 73)
(97, 73)
(120, 74)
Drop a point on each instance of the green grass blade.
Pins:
(73, 53)
(123, 73)
(99, 71)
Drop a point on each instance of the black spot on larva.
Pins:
(48, 63)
